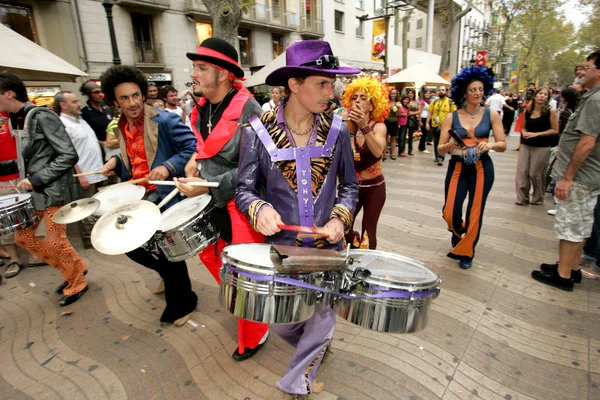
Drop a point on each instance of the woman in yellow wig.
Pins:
(367, 106)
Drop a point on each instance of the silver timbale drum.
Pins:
(17, 212)
(253, 289)
(187, 228)
(395, 297)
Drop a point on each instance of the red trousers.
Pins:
(249, 333)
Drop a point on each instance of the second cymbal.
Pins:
(76, 211)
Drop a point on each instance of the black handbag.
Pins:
(413, 123)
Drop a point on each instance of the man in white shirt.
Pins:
(86, 144)
(497, 102)
(170, 99)
(276, 93)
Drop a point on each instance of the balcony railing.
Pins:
(272, 15)
(311, 26)
(148, 53)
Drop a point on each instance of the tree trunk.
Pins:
(505, 30)
(226, 16)
(452, 20)
(405, 20)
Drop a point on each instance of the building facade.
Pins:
(155, 35)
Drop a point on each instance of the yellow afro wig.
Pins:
(377, 93)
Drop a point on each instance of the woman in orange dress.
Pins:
(367, 104)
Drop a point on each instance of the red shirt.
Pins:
(8, 145)
(136, 151)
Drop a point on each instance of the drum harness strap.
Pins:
(302, 156)
(385, 294)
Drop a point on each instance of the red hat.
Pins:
(218, 52)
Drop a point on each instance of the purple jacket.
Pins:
(261, 179)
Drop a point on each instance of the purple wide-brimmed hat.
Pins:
(305, 58)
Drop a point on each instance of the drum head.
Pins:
(182, 212)
(12, 199)
(394, 271)
(117, 195)
(255, 256)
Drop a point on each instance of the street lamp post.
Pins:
(108, 5)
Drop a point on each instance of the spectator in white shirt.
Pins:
(171, 102)
(276, 93)
(497, 102)
(86, 144)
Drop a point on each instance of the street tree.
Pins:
(449, 18)
(226, 16)
(509, 10)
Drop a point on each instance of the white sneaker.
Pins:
(551, 212)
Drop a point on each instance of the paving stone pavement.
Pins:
(493, 332)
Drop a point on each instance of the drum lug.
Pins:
(272, 287)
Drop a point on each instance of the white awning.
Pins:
(30, 62)
(419, 75)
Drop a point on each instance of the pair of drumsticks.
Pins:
(305, 231)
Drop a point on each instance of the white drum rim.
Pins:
(245, 265)
(391, 284)
(168, 223)
(25, 197)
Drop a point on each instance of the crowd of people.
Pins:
(334, 171)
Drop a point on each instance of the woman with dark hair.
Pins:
(412, 124)
(470, 171)
(370, 96)
(403, 117)
(569, 97)
(524, 104)
(391, 123)
(509, 115)
(541, 124)
(424, 112)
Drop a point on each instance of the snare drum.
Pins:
(186, 228)
(116, 195)
(252, 289)
(395, 298)
(17, 212)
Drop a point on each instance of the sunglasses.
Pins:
(96, 92)
(325, 62)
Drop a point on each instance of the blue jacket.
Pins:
(167, 141)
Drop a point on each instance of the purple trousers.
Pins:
(310, 339)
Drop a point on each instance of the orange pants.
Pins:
(249, 333)
(55, 250)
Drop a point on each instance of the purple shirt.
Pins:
(260, 178)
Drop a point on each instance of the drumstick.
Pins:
(136, 181)
(198, 184)
(168, 198)
(8, 187)
(88, 174)
(304, 229)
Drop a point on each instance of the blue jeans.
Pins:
(593, 242)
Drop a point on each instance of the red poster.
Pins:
(481, 59)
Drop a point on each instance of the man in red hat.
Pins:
(224, 106)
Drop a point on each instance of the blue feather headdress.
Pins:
(466, 76)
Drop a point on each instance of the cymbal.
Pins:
(76, 211)
(126, 227)
(115, 195)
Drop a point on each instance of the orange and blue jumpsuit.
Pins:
(472, 174)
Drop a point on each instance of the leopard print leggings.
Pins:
(55, 250)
